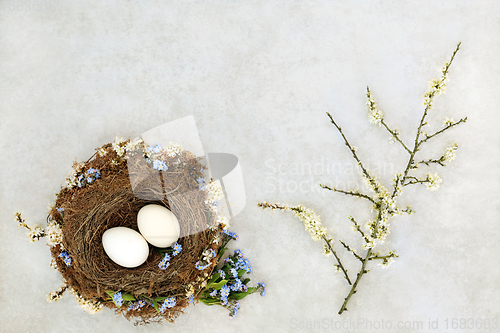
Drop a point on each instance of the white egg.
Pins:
(158, 225)
(125, 246)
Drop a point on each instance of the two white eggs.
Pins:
(129, 248)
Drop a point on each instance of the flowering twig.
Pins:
(353, 193)
(383, 199)
(312, 224)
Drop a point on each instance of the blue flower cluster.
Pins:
(227, 285)
(136, 305)
(60, 210)
(177, 249)
(118, 299)
(233, 308)
(66, 258)
(88, 177)
(191, 299)
(158, 164)
(165, 262)
(168, 304)
(262, 287)
(228, 234)
(202, 183)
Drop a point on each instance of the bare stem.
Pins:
(353, 152)
(358, 278)
(395, 135)
(353, 193)
(427, 137)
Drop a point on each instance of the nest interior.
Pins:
(114, 200)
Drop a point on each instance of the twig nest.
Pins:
(101, 196)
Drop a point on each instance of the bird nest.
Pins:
(107, 191)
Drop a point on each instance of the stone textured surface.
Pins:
(258, 77)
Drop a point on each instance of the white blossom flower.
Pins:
(326, 251)
(90, 306)
(375, 115)
(55, 295)
(448, 121)
(118, 146)
(133, 145)
(386, 262)
(54, 234)
(311, 221)
(102, 151)
(450, 153)
(173, 149)
(434, 182)
(35, 233)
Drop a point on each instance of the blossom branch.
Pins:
(313, 225)
(350, 250)
(395, 135)
(361, 272)
(353, 152)
(357, 227)
(449, 125)
(353, 193)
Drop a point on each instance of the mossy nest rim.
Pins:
(112, 201)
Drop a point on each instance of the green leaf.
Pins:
(213, 279)
(241, 272)
(155, 304)
(239, 295)
(209, 301)
(159, 299)
(110, 293)
(128, 297)
(221, 251)
(219, 285)
(245, 281)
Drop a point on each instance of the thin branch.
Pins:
(358, 278)
(430, 161)
(395, 135)
(353, 193)
(358, 228)
(353, 152)
(350, 250)
(265, 205)
(346, 276)
(422, 123)
(450, 125)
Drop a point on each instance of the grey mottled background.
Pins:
(258, 76)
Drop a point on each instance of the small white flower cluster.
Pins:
(448, 121)
(386, 262)
(311, 221)
(34, 233)
(450, 153)
(119, 146)
(375, 115)
(436, 87)
(190, 290)
(434, 182)
(54, 234)
(132, 146)
(379, 228)
(72, 179)
(102, 152)
(214, 194)
(173, 149)
(55, 295)
(326, 251)
(90, 306)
